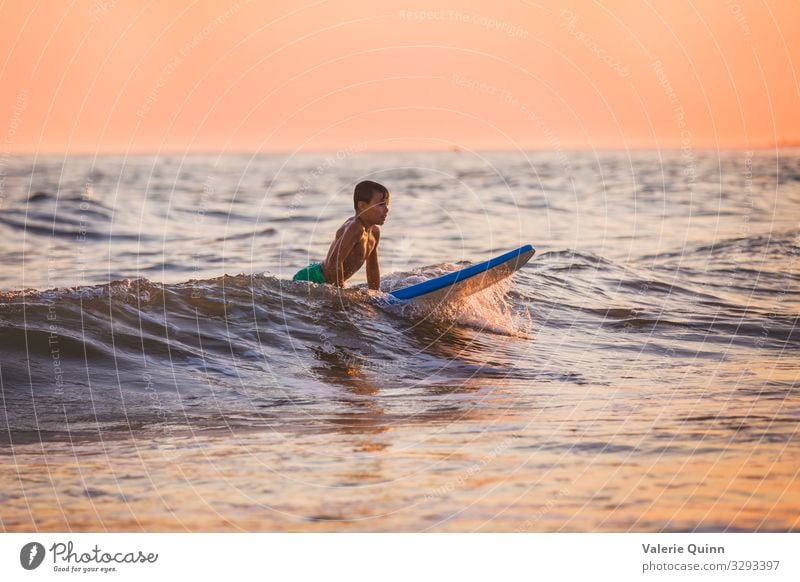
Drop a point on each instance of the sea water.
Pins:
(160, 371)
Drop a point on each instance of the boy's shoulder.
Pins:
(351, 224)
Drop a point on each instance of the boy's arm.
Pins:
(373, 265)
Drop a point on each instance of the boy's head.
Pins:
(371, 202)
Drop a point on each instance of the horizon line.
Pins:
(454, 150)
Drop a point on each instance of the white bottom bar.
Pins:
(354, 557)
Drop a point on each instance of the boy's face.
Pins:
(376, 210)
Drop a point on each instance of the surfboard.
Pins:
(468, 280)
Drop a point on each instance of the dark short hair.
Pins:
(365, 190)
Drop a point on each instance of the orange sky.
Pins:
(134, 76)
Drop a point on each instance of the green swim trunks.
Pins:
(312, 273)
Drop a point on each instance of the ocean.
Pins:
(162, 372)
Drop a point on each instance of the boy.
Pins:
(356, 241)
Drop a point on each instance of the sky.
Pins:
(120, 76)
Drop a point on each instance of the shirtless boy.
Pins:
(356, 241)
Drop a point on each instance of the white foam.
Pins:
(487, 310)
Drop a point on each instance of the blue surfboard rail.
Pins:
(451, 278)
